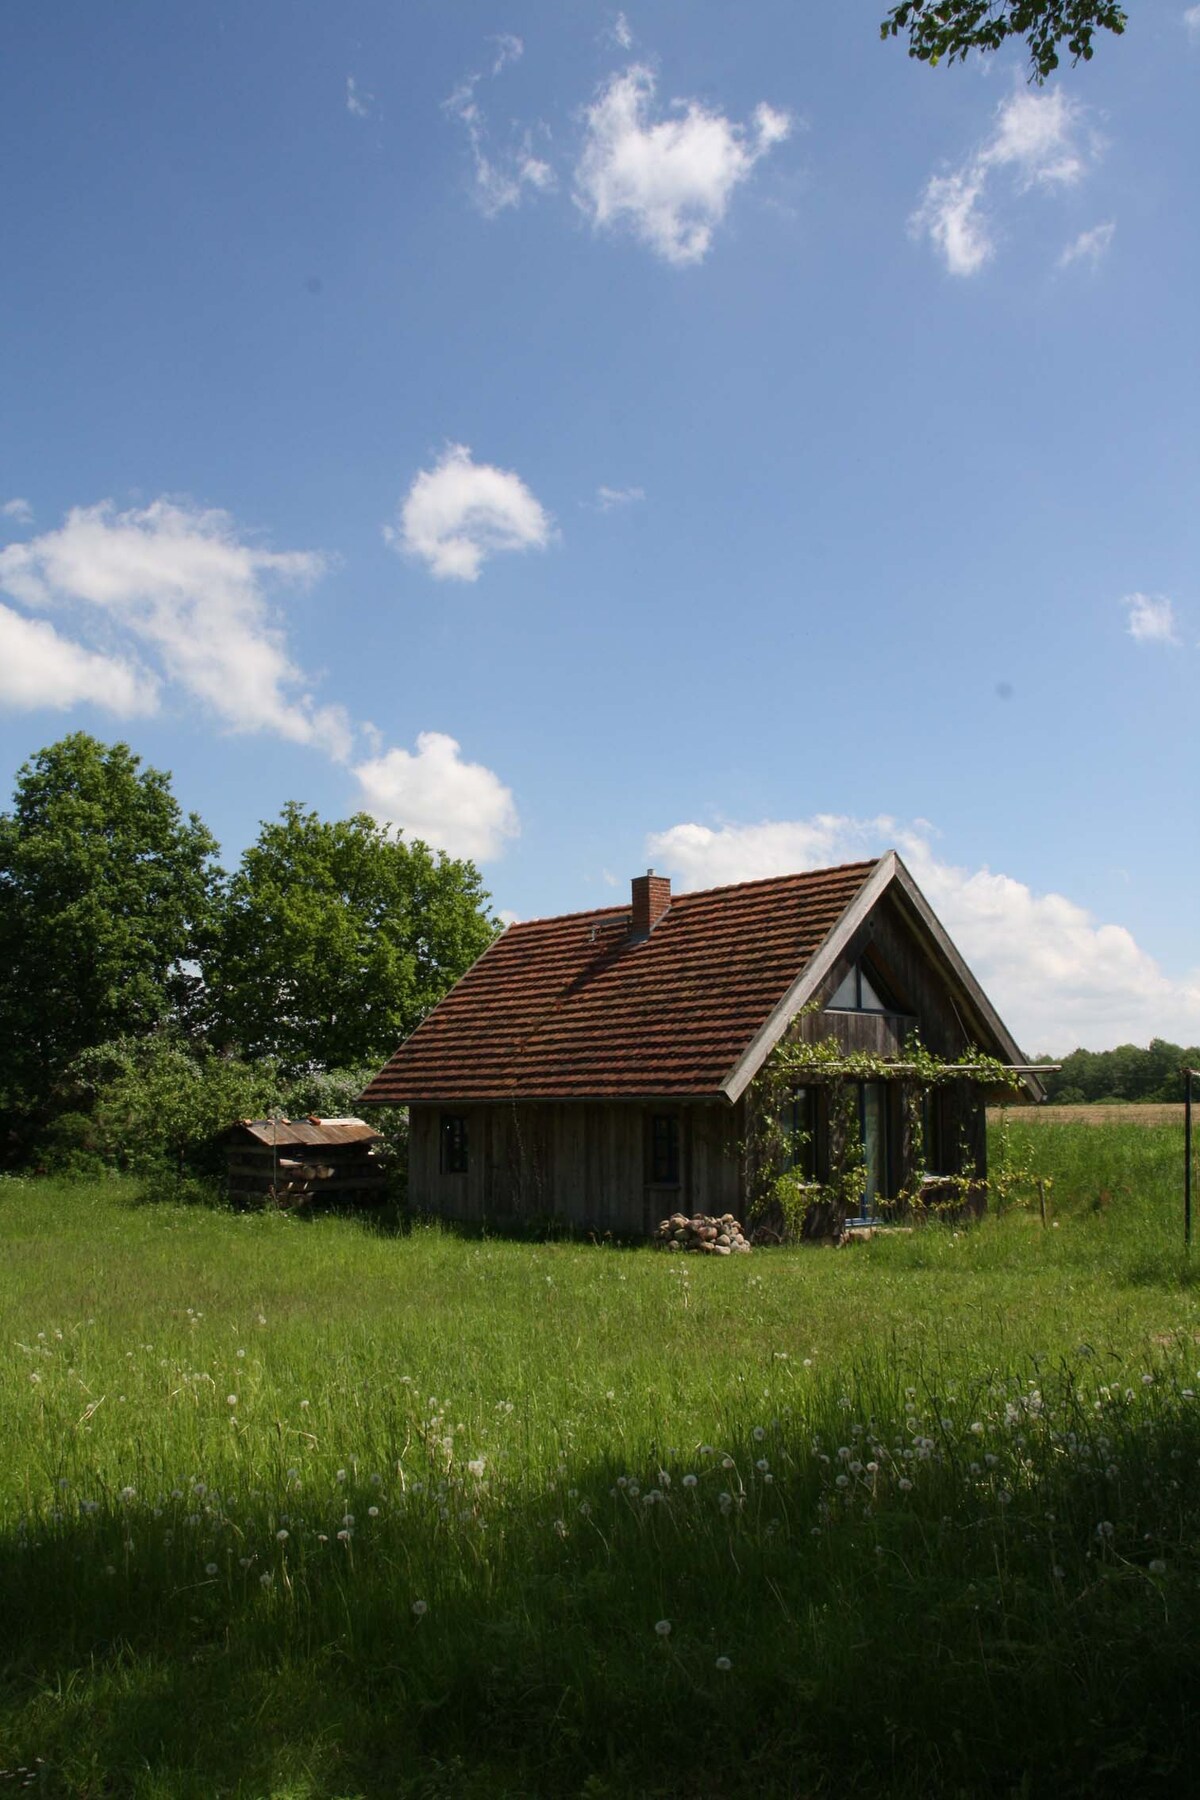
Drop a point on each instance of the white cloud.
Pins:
(1151, 619)
(358, 101)
(182, 584)
(19, 511)
(38, 667)
(608, 497)
(500, 180)
(460, 512)
(668, 180)
(1090, 246)
(1057, 977)
(622, 35)
(1039, 139)
(1191, 19)
(457, 806)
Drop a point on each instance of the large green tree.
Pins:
(106, 901)
(338, 938)
(948, 30)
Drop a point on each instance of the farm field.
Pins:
(315, 1509)
(1147, 1112)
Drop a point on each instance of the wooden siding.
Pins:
(580, 1161)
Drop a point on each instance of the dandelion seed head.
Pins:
(723, 1663)
(419, 1609)
(663, 1628)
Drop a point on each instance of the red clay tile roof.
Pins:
(573, 1008)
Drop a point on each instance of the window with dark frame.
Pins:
(664, 1150)
(454, 1144)
(861, 990)
(798, 1119)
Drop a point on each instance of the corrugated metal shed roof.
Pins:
(574, 1007)
(282, 1133)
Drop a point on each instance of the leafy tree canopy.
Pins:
(107, 895)
(339, 938)
(951, 29)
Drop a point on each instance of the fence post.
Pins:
(1188, 1076)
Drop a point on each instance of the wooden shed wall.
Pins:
(585, 1162)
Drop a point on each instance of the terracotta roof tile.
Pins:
(574, 1008)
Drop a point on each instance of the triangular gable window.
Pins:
(858, 993)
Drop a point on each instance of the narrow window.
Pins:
(454, 1144)
(664, 1150)
(799, 1121)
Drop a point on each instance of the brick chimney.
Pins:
(651, 898)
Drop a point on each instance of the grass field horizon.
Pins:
(312, 1509)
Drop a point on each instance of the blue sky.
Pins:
(691, 435)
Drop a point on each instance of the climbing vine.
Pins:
(780, 1189)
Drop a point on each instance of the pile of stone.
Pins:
(710, 1236)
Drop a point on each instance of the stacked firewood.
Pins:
(703, 1233)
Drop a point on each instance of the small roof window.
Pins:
(858, 992)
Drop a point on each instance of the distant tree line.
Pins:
(1127, 1073)
(148, 997)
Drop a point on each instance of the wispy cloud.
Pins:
(39, 667)
(609, 497)
(461, 512)
(1191, 19)
(1152, 619)
(173, 595)
(622, 35)
(667, 180)
(1039, 140)
(1090, 246)
(189, 590)
(1058, 976)
(500, 179)
(19, 511)
(358, 101)
(434, 794)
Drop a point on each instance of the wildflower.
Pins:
(476, 1467)
(724, 1664)
(281, 1537)
(344, 1537)
(758, 1434)
(663, 1628)
(762, 1465)
(128, 1493)
(372, 1512)
(231, 1399)
(689, 1481)
(304, 1405)
(419, 1609)
(210, 1568)
(905, 1485)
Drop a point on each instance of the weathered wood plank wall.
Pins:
(585, 1162)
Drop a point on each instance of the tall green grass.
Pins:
(309, 1509)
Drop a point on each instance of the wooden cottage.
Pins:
(609, 1067)
(290, 1162)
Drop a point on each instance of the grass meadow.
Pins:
(316, 1508)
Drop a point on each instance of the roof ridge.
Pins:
(724, 887)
